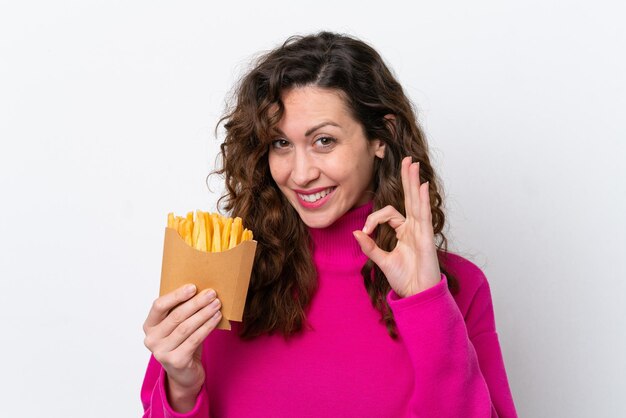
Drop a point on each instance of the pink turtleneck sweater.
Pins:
(446, 362)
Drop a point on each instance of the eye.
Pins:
(326, 141)
(280, 143)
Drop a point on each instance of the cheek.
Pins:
(277, 169)
(364, 169)
(362, 166)
(347, 170)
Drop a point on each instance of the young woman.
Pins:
(355, 306)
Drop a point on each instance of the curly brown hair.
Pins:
(284, 280)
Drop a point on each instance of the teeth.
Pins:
(315, 196)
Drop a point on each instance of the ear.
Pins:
(390, 119)
(379, 148)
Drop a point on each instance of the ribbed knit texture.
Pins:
(445, 363)
(335, 246)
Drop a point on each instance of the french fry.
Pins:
(228, 223)
(235, 233)
(208, 226)
(170, 220)
(187, 228)
(201, 239)
(180, 226)
(216, 245)
(195, 232)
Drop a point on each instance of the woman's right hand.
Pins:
(174, 336)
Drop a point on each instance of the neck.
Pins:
(335, 244)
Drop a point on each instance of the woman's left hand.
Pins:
(413, 265)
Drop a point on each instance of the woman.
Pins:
(350, 310)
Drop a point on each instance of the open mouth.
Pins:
(314, 197)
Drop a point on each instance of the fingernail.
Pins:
(210, 295)
(365, 229)
(190, 288)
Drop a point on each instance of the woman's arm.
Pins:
(449, 380)
(459, 371)
(176, 326)
(154, 396)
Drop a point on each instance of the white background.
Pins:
(107, 116)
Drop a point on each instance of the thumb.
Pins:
(369, 247)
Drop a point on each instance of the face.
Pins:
(321, 161)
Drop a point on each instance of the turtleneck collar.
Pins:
(335, 244)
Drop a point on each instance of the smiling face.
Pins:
(322, 162)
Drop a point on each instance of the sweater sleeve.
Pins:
(458, 364)
(154, 398)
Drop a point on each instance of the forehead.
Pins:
(315, 93)
(311, 102)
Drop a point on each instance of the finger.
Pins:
(369, 248)
(388, 214)
(184, 311)
(414, 183)
(162, 305)
(404, 174)
(426, 218)
(187, 328)
(191, 344)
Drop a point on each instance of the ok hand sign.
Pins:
(413, 265)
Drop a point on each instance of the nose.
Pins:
(304, 170)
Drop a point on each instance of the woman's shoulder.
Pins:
(469, 276)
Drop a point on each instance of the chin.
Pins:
(315, 221)
(317, 224)
(318, 220)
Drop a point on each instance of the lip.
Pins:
(318, 203)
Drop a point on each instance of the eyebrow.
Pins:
(315, 128)
(321, 125)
